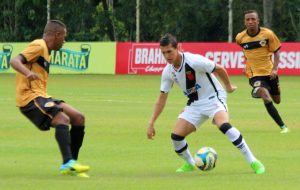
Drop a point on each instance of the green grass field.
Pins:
(117, 109)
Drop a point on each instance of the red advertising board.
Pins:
(146, 58)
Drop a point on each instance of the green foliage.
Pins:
(289, 24)
(115, 20)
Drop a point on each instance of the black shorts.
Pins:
(41, 111)
(264, 81)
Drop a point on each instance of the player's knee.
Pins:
(65, 120)
(225, 127)
(61, 118)
(276, 100)
(79, 119)
(265, 96)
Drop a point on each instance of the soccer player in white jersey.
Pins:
(206, 100)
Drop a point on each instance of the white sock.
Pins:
(237, 139)
(181, 148)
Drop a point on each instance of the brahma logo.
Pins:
(145, 58)
(70, 59)
(5, 57)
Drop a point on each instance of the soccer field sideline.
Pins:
(120, 155)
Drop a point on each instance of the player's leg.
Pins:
(61, 124)
(44, 113)
(267, 99)
(276, 99)
(187, 122)
(180, 131)
(261, 87)
(275, 90)
(275, 94)
(221, 120)
(62, 134)
(77, 131)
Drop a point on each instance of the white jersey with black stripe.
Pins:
(194, 77)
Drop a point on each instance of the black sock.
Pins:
(274, 113)
(62, 136)
(77, 134)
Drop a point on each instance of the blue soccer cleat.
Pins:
(73, 167)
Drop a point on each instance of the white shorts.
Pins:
(199, 111)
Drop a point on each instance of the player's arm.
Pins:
(274, 46)
(158, 108)
(222, 74)
(18, 64)
(274, 71)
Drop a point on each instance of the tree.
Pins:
(268, 10)
(115, 20)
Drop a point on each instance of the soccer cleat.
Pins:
(73, 167)
(258, 167)
(284, 130)
(186, 167)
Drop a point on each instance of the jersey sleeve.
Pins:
(166, 81)
(203, 64)
(274, 42)
(32, 52)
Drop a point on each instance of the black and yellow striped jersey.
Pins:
(37, 59)
(258, 51)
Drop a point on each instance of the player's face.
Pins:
(60, 39)
(170, 53)
(251, 21)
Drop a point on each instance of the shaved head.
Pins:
(55, 33)
(54, 26)
(251, 11)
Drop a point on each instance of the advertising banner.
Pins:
(5, 56)
(73, 58)
(146, 58)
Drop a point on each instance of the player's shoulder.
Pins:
(268, 31)
(240, 35)
(265, 29)
(37, 44)
(167, 68)
(166, 73)
(188, 56)
(197, 60)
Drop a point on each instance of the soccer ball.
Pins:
(205, 158)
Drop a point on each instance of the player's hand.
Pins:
(273, 74)
(32, 76)
(230, 88)
(150, 131)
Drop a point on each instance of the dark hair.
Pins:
(168, 39)
(53, 26)
(250, 11)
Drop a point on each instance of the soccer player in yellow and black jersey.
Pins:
(259, 44)
(32, 66)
